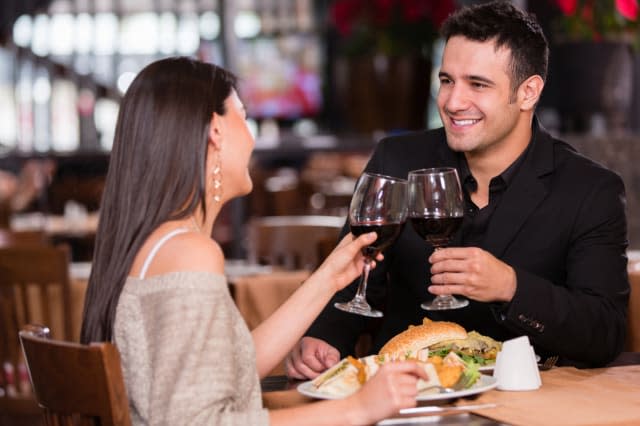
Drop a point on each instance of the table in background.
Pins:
(258, 296)
(77, 230)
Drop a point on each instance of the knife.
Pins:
(439, 409)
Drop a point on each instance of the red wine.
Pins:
(436, 230)
(387, 234)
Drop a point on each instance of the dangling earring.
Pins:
(217, 181)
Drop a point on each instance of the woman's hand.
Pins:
(346, 261)
(392, 388)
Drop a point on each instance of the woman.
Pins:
(157, 287)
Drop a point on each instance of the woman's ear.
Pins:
(216, 131)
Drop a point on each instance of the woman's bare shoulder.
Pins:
(189, 251)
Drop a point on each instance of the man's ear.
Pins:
(530, 91)
(216, 131)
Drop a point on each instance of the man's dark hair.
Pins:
(510, 27)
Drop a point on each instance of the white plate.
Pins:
(483, 384)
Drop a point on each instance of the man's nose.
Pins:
(456, 98)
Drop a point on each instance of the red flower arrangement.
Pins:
(598, 19)
(392, 27)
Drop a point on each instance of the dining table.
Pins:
(607, 396)
(76, 229)
(78, 223)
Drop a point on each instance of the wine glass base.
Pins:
(359, 307)
(444, 303)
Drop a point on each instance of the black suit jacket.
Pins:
(560, 224)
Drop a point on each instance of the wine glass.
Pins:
(379, 204)
(436, 209)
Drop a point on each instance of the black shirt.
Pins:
(476, 220)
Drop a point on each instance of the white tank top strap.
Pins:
(157, 246)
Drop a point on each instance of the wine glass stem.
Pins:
(362, 287)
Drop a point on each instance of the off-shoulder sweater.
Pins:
(187, 355)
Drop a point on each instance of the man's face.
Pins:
(475, 100)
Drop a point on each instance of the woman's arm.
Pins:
(275, 337)
(393, 387)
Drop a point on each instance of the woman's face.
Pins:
(236, 146)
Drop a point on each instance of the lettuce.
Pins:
(476, 359)
(440, 352)
(469, 376)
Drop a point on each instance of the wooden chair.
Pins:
(76, 384)
(34, 288)
(292, 242)
(9, 238)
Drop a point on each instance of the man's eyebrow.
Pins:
(479, 78)
(474, 78)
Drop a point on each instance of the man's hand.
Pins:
(473, 273)
(310, 357)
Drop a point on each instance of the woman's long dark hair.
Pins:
(156, 172)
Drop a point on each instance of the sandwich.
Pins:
(439, 338)
(348, 375)
(449, 355)
(416, 341)
(480, 349)
(341, 380)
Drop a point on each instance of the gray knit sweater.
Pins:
(187, 355)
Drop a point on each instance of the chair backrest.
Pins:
(9, 238)
(75, 383)
(34, 288)
(293, 242)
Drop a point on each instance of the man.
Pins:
(541, 251)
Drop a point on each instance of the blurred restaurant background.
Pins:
(323, 82)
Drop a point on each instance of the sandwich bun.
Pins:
(415, 341)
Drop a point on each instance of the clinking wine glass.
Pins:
(436, 210)
(379, 204)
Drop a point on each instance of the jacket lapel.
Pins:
(527, 190)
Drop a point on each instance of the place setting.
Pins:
(454, 385)
(438, 346)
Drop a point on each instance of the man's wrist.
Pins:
(511, 285)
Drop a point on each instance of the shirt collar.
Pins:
(468, 181)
